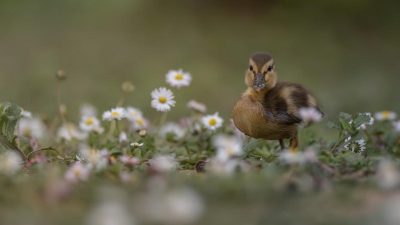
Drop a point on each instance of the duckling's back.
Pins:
(275, 114)
(286, 99)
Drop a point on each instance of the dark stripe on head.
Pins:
(260, 58)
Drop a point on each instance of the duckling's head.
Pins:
(260, 75)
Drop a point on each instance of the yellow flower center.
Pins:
(140, 122)
(212, 122)
(179, 76)
(27, 132)
(89, 121)
(162, 99)
(230, 151)
(386, 114)
(77, 172)
(115, 114)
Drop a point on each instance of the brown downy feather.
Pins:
(272, 111)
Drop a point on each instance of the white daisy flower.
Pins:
(361, 144)
(163, 163)
(212, 122)
(310, 155)
(385, 115)
(68, 132)
(129, 160)
(133, 113)
(178, 78)
(77, 172)
(227, 147)
(10, 163)
(292, 157)
(347, 142)
(123, 137)
(31, 127)
(162, 99)
(90, 123)
(136, 145)
(142, 133)
(96, 159)
(136, 117)
(26, 114)
(196, 106)
(355, 145)
(127, 87)
(140, 123)
(172, 128)
(396, 126)
(88, 110)
(310, 115)
(226, 168)
(114, 114)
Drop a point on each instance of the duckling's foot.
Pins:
(282, 144)
(294, 142)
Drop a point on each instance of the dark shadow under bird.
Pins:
(269, 109)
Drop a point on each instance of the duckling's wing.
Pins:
(278, 107)
(282, 117)
(286, 118)
(285, 102)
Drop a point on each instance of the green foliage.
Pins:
(9, 116)
(261, 170)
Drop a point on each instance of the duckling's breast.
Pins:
(248, 117)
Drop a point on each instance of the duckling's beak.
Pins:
(259, 82)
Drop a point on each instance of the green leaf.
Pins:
(9, 116)
(252, 145)
(332, 125)
(361, 118)
(345, 120)
(115, 151)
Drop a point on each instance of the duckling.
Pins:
(269, 109)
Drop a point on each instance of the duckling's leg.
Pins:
(294, 142)
(282, 144)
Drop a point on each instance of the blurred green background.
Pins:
(345, 51)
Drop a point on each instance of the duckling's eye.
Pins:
(270, 68)
(251, 68)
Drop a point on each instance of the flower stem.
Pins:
(59, 103)
(163, 118)
(121, 100)
(117, 128)
(112, 129)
